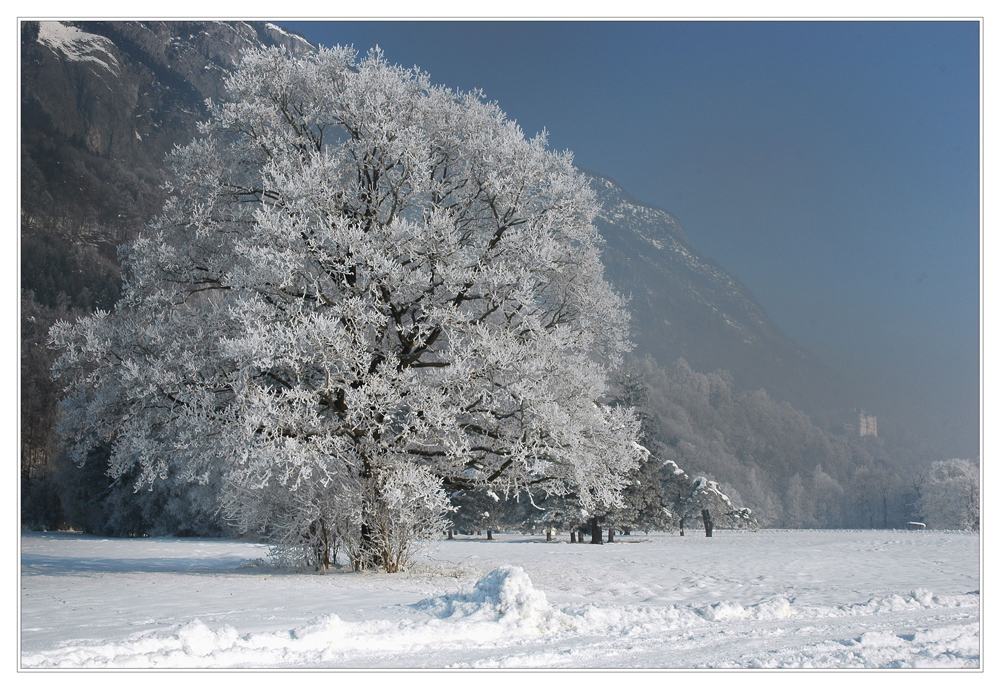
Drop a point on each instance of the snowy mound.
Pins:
(505, 594)
(773, 609)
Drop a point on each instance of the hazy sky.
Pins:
(833, 167)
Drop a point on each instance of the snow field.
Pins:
(772, 599)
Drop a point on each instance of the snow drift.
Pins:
(739, 600)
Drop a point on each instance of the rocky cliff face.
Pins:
(133, 89)
(102, 103)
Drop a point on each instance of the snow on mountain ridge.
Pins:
(77, 45)
(661, 230)
(295, 37)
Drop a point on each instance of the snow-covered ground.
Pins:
(768, 599)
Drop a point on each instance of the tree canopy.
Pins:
(364, 289)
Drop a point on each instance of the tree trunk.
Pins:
(320, 537)
(572, 536)
(595, 532)
(489, 534)
(451, 535)
(706, 517)
(682, 526)
(611, 535)
(368, 556)
(627, 532)
(548, 534)
(579, 536)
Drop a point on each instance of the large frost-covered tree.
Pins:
(365, 290)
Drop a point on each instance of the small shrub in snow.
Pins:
(949, 496)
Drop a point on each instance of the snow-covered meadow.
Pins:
(771, 599)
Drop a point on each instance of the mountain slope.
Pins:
(102, 103)
(686, 306)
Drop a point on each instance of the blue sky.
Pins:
(833, 167)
